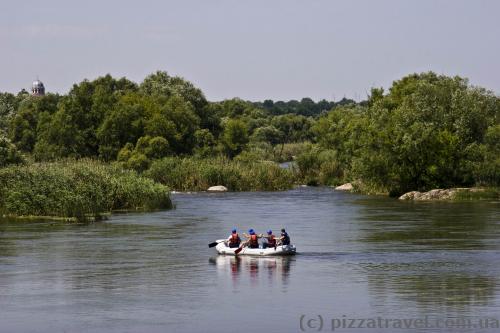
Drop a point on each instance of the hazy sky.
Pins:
(253, 49)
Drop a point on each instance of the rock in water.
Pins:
(218, 188)
(345, 187)
(436, 194)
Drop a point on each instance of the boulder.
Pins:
(410, 195)
(436, 194)
(345, 187)
(218, 188)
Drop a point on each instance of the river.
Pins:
(373, 259)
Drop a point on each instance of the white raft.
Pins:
(280, 250)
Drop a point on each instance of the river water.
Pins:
(374, 259)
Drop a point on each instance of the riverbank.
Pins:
(191, 174)
(88, 190)
(80, 190)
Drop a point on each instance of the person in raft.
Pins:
(284, 238)
(252, 239)
(271, 240)
(234, 239)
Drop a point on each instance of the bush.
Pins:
(9, 153)
(76, 189)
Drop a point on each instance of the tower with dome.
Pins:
(37, 88)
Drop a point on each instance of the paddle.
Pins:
(238, 250)
(215, 243)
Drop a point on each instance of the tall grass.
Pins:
(192, 174)
(76, 189)
(319, 167)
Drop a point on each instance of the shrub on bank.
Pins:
(76, 189)
(319, 167)
(191, 174)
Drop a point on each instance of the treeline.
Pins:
(305, 107)
(162, 116)
(427, 131)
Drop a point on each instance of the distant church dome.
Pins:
(37, 89)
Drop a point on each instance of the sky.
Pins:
(255, 49)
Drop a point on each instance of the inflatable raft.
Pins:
(280, 250)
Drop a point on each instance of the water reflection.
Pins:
(440, 286)
(261, 269)
(444, 258)
(436, 225)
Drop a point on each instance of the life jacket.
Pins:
(235, 239)
(286, 238)
(254, 240)
(271, 240)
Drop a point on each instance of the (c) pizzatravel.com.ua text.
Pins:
(318, 323)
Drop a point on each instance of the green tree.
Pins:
(72, 130)
(234, 137)
(268, 134)
(123, 124)
(160, 84)
(177, 122)
(292, 128)
(9, 153)
(205, 143)
(428, 131)
(8, 106)
(25, 123)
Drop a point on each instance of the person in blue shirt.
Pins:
(284, 238)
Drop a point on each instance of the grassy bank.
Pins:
(192, 174)
(78, 190)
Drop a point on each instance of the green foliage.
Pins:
(236, 107)
(72, 129)
(428, 132)
(31, 113)
(77, 189)
(234, 137)
(269, 134)
(257, 151)
(161, 85)
(9, 153)
(290, 151)
(8, 106)
(317, 166)
(146, 149)
(306, 107)
(204, 143)
(191, 174)
(123, 124)
(486, 165)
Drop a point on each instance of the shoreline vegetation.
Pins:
(113, 144)
(76, 190)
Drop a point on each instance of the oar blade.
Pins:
(213, 244)
(238, 250)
